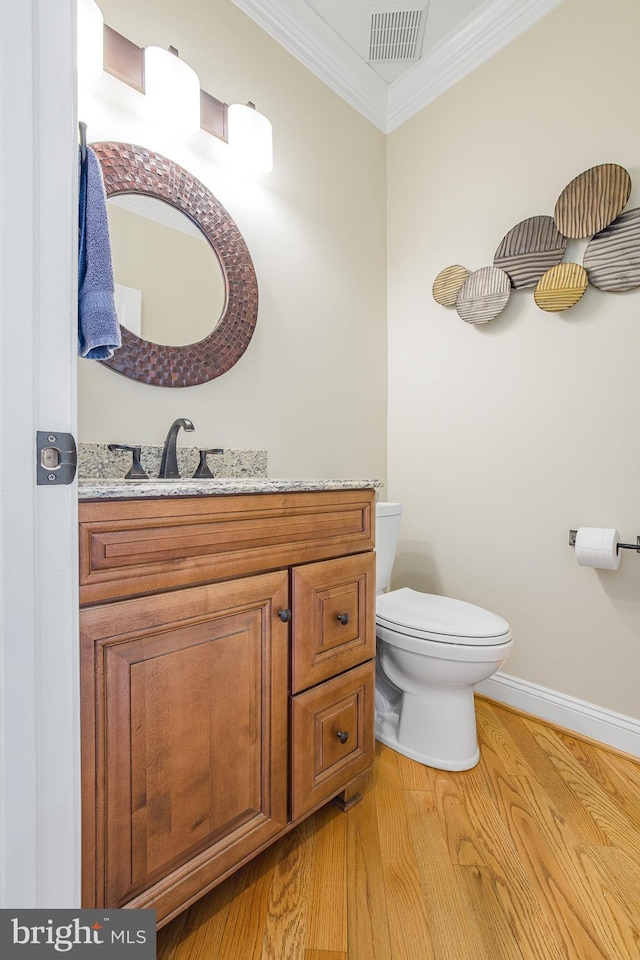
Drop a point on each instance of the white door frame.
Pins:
(39, 691)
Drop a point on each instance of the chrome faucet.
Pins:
(169, 462)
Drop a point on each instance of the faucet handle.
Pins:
(202, 470)
(136, 472)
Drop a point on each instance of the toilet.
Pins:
(431, 651)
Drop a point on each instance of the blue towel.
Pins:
(98, 326)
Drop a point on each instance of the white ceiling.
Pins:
(331, 38)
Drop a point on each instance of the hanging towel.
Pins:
(98, 326)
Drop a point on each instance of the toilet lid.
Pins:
(450, 621)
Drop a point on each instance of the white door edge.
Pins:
(39, 689)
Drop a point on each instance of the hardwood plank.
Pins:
(415, 776)
(494, 733)
(495, 864)
(496, 937)
(464, 839)
(550, 847)
(327, 920)
(229, 922)
(242, 933)
(474, 823)
(618, 776)
(613, 823)
(368, 932)
(453, 932)
(171, 938)
(324, 955)
(522, 731)
(613, 886)
(622, 868)
(408, 926)
(288, 903)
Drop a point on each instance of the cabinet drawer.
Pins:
(132, 547)
(333, 618)
(332, 737)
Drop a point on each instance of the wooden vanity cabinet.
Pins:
(227, 675)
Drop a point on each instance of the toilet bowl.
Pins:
(431, 651)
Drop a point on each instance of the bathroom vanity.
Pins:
(227, 645)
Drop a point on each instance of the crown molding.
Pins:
(301, 31)
(476, 41)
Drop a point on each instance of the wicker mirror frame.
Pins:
(127, 168)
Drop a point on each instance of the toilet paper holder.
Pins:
(620, 546)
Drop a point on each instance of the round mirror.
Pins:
(158, 354)
(169, 285)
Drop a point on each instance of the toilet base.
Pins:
(387, 733)
(438, 730)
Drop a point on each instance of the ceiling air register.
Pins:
(396, 33)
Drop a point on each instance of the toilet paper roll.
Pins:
(598, 547)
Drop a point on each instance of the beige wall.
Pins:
(503, 437)
(311, 388)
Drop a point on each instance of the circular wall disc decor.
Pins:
(529, 249)
(561, 287)
(592, 201)
(484, 294)
(612, 258)
(128, 168)
(448, 283)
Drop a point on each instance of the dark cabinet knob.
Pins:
(285, 615)
(343, 618)
(343, 735)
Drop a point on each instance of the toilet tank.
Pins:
(388, 516)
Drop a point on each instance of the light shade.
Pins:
(250, 138)
(172, 89)
(90, 40)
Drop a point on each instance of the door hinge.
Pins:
(57, 458)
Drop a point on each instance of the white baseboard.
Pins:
(612, 729)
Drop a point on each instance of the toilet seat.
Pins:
(424, 616)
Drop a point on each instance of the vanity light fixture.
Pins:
(174, 88)
(90, 26)
(250, 137)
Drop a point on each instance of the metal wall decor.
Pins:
(531, 254)
(447, 284)
(612, 257)
(561, 287)
(592, 201)
(484, 294)
(529, 249)
(128, 168)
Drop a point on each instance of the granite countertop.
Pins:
(107, 489)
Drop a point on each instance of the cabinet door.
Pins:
(333, 618)
(190, 735)
(332, 735)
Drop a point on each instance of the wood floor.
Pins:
(532, 855)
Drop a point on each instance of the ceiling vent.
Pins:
(396, 32)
